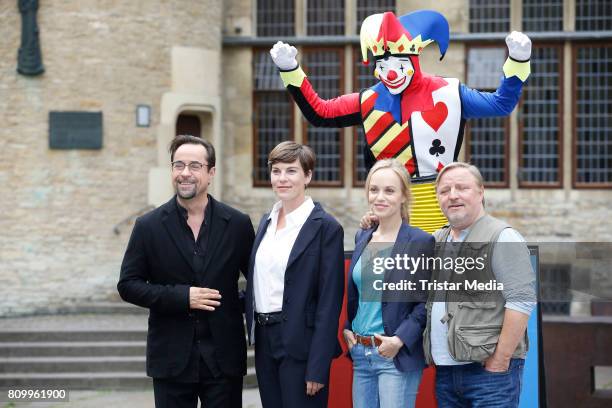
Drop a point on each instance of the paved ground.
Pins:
(131, 399)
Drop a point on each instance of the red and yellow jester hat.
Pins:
(406, 35)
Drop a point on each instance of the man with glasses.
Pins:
(183, 262)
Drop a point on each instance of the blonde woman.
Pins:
(385, 324)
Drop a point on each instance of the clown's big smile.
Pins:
(394, 84)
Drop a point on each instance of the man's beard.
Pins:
(455, 219)
(185, 195)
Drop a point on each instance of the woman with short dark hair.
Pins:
(295, 287)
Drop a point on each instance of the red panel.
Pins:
(341, 375)
(426, 398)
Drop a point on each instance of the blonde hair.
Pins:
(404, 177)
(462, 165)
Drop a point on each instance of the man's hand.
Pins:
(368, 220)
(283, 56)
(390, 346)
(203, 298)
(349, 338)
(513, 330)
(313, 387)
(519, 46)
(497, 363)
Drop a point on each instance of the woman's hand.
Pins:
(390, 346)
(349, 338)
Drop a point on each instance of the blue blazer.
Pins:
(403, 315)
(312, 297)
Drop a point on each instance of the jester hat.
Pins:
(406, 35)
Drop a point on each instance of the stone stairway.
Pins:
(101, 349)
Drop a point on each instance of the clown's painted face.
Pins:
(395, 72)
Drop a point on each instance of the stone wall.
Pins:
(59, 207)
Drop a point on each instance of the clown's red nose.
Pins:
(392, 75)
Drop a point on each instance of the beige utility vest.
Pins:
(474, 317)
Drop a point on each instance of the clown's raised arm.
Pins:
(410, 115)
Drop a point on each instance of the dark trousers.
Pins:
(281, 378)
(213, 392)
(471, 386)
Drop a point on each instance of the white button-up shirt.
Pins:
(273, 254)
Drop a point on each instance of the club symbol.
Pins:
(436, 148)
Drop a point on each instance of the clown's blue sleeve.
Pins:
(477, 104)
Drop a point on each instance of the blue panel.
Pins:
(530, 396)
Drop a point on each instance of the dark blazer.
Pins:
(404, 314)
(157, 273)
(312, 296)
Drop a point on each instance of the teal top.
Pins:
(368, 320)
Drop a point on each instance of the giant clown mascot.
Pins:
(409, 115)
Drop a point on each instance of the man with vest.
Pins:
(476, 336)
(409, 115)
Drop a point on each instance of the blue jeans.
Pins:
(378, 384)
(470, 385)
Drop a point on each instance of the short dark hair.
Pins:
(289, 151)
(189, 139)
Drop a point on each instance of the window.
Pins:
(593, 15)
(368, 7)
(325, 17)
(363, 78)
(554, 289)
(275, 18)
(487, 149)
(542, 15)
(489, 16)
(487, 139)
(272, 114)
(540, 133)
(325, 70)
(593, 111)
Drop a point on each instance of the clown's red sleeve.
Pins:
(338, 112)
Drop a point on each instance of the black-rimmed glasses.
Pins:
(194, 166)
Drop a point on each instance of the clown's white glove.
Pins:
(283, 56)
(519, 46)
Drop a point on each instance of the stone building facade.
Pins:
(61, 208)
(67, 214)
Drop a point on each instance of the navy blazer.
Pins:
(404, 315)
(312, 297)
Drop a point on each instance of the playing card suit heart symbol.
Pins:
(435, 117)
